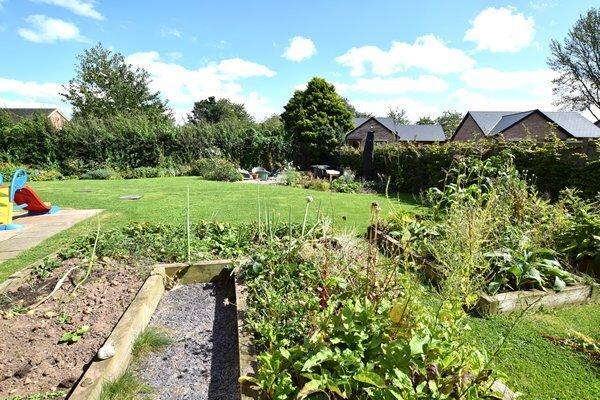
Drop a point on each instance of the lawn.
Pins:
(164, 200)
(537, 367)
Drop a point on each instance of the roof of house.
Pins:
(17, 113)
(573, 123)
(419, 133)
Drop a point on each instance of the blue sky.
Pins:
(425, 56)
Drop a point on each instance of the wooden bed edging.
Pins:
(136, 318)
(246, 349)
(534, 299)
(502, 302)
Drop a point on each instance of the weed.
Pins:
(45, 268)
(75, 335)
(126, 387)
(151, 339)
(63, 318)
(56, 394)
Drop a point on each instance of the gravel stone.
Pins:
(202, 363)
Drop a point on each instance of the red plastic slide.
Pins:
(28, 196)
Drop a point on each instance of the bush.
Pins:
(102, 174)
(552, 165)
(216, 169)
(347, 183)
(319, 184)
(45, 175)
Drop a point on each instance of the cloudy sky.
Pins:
(425, 56)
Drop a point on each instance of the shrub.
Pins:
(216, 169)
(347, 183)
(45, 175)
(318, 184)
(102, 173)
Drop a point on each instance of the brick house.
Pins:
(534, 124)
(54, 115)
(385, 130)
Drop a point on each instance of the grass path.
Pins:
(163, 200)
(538, 368)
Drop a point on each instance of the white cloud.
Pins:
(414, 108)
(537, 81)
(49, 30)
(165, 32)
(501, 30)
(15, 93)
(391, 86)
(428, 52)
(183, 86)
(465, 99)
(85, 8)
(300, 49)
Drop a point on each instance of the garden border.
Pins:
(503, 302)
(137, 316)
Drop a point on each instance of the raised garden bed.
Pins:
(503, 302)
(138, 315)
(40, 354)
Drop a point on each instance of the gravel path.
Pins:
(203, 362)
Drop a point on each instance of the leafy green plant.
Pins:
(55, 394)
(45, 267)
(216, 169)
(580, 238)
(63, 318)
(75, 335)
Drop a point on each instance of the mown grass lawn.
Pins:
(164, 200)
(534, 365)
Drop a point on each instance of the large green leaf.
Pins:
(370, 378)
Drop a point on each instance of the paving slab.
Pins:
(37, 228)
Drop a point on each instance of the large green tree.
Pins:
(449, 120)
(315, 120)
(105, 85)
(577, 62)
(213, 111)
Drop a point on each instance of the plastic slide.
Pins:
(32, 202)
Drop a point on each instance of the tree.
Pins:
(212, 111)
(449, 120)
(577, 62)
(355, 112)
(105, 85)
(426, 120)
(398, 115)
(315, 119)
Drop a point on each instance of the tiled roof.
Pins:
(575, 124)
(419, 133)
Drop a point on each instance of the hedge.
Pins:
(551, 166)
(129, 142)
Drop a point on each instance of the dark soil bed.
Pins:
(202, 362)
(31, 358)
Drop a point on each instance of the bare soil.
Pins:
(31, 358)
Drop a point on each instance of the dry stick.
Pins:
(189, 249)
(56, 287)
(93, 256)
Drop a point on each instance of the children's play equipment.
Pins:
(19, 196)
